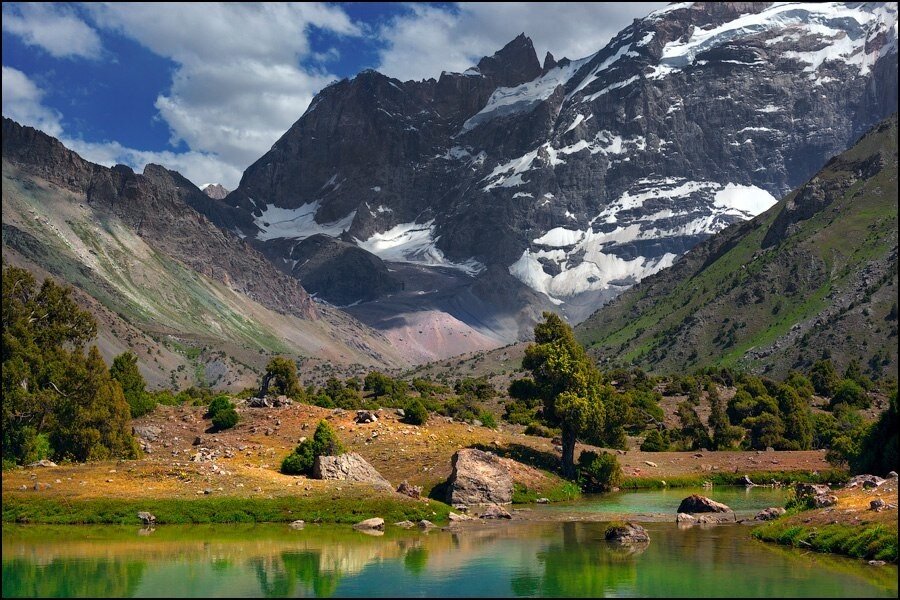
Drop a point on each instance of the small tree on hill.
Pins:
(281, 377)
(323, 443)
(572, 390)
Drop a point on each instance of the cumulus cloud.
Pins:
(22, 103)
(196, 166)
(238, 85)
(428, 39)
(55, 28)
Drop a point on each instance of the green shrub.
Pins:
(300, 461)
(654, 442)
(165, 397)
(540, 431)
(487, 419)
(124, 370)
(415, 413)
(225, 419)
(850, 393)
(599, 472)
(323, 443)
(218, 404)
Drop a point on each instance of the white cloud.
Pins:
(238, 85)
(428, 39)
(193, 165)
(22, 103)
(54, 27)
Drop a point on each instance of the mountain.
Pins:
(166, 277)
(814, 275)
(216, 191)
(516, 186)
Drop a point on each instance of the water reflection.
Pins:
(511, 559)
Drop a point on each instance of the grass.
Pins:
(760, 477)
(559, 492)
(343, 508)
(873, 541)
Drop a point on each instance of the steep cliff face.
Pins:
(157, 206)
(159, 275)
(578, 177)
(815, 275)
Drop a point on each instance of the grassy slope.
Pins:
(831, 280)
(169, 302)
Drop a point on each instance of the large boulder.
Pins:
(696, 503)
(864, 481)
(375, 523)
(627, 533)
(479, 477)
(146, 432)
(349, 467)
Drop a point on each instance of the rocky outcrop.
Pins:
(349, 467)
(479, 477)
(628, 533)
(494, 512)
(864, 481)
(413, 491)
(216, 191)
(366, 416)
(769, 513)
(701, 504)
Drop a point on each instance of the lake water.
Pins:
(519, 558)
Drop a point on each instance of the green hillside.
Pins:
(814, 275)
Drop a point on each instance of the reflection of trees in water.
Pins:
(582, 565)
(278, 579)
(86, 578)
(416, 560)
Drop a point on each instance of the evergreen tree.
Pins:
(125, 370)
(50, 390)
(572, 390)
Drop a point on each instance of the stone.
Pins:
(745, 480)
(769, 513)
(146, 432)
(824, 501)
(413, 491)
(298, 524)
(425, 524)
(479, 477)
(684, 518)
(494, 512)
(650, 463)
(696, 503)
(400, 412)
(455, 517)
(461, 508)
(864, 481)
(146, 517)
(542, 501)
(405, 524)
(366, 416)
(807, 491)
(877, 563)
(877, 505)
(43, 463)
(349, 467)
(373, 523)
(627, 534)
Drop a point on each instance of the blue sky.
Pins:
(206, 89)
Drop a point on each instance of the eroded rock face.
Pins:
(479, 478)
(349, 467)
(696, 503)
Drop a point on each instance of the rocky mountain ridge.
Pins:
(571, 180)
